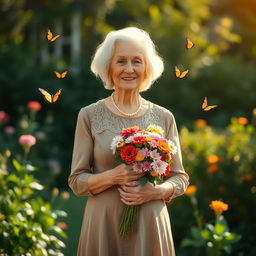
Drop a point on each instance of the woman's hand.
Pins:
(132, 193)
(123, 174)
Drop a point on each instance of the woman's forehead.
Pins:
(125, 48)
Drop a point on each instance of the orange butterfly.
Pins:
(180, 74)
(60, 75)
(189, 43)
(50, 36)
(205, 106)
(50, 98)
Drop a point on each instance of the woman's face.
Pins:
(128, 67)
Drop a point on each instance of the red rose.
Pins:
(139, 140)
(128, 154)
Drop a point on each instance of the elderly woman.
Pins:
(128, 64)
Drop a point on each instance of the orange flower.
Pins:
(212, 159)
(120, 144)
(162, 145)
(218, 206)
(242, 120)
(201, 123)
(247, 177)
(2, 216)
(212, 168)
(191, 190)
(153, 173)
(34, 105)
(62, 225)
(65, 195)
(139, 157)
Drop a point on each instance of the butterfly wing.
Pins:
(64, 74)
(54, 38)
(177, 71)
(183, 74)
(210, 107)
(49, 35)
(189, 43)
(204, 103)
(47, 96)
(57, 74)
(56, 95)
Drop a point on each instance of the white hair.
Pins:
(101, 61)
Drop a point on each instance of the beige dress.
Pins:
(96, 126)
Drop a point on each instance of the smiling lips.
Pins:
(128, 78)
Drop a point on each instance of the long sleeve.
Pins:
(177, 177)
(82, 157)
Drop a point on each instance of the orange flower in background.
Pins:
(65, 195)
(2, 216)
(212, 159)
(162, 145)
(34, 105)
(201, 123)
(191, 190)
(218, 206)
(62, 225)
(212, 168)
(247, 177)
(242, 120)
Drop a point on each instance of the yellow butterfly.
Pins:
(50, 36)
(205, 106)
(180, 74)
(189, 43)
(60, 75)
(50, 98)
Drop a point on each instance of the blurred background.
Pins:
(218, 146)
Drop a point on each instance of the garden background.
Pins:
(218, 145)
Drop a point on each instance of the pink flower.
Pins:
(153, 143)
(146, 166)
(27, 140)
(137, 167)
(145, 152)
(9, 129)
(34, 105)
(155, 155)
(159, 166)
(4, 118)
(40, 135)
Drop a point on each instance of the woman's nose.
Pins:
(129, 67)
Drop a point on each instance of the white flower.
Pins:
(116, 140)
(155, 155)
(172, 147)
(159, 166)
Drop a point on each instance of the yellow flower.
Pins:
(120, 144)
(155, 128)
(139, 157)
(242, 120)
(163, 146)
(218, 206)
(201, 123)
(148, 139)
(191, 190)
(212, 159)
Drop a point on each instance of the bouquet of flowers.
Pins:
(147, 151)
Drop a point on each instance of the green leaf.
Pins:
(143, 180)
(17, 165)
(206, 234)
(232, 237)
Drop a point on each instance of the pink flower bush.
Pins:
(9, 129)
(27, 140)
(4, 118)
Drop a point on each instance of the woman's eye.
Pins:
(120, 61)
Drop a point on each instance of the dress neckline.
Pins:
(123, 117)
